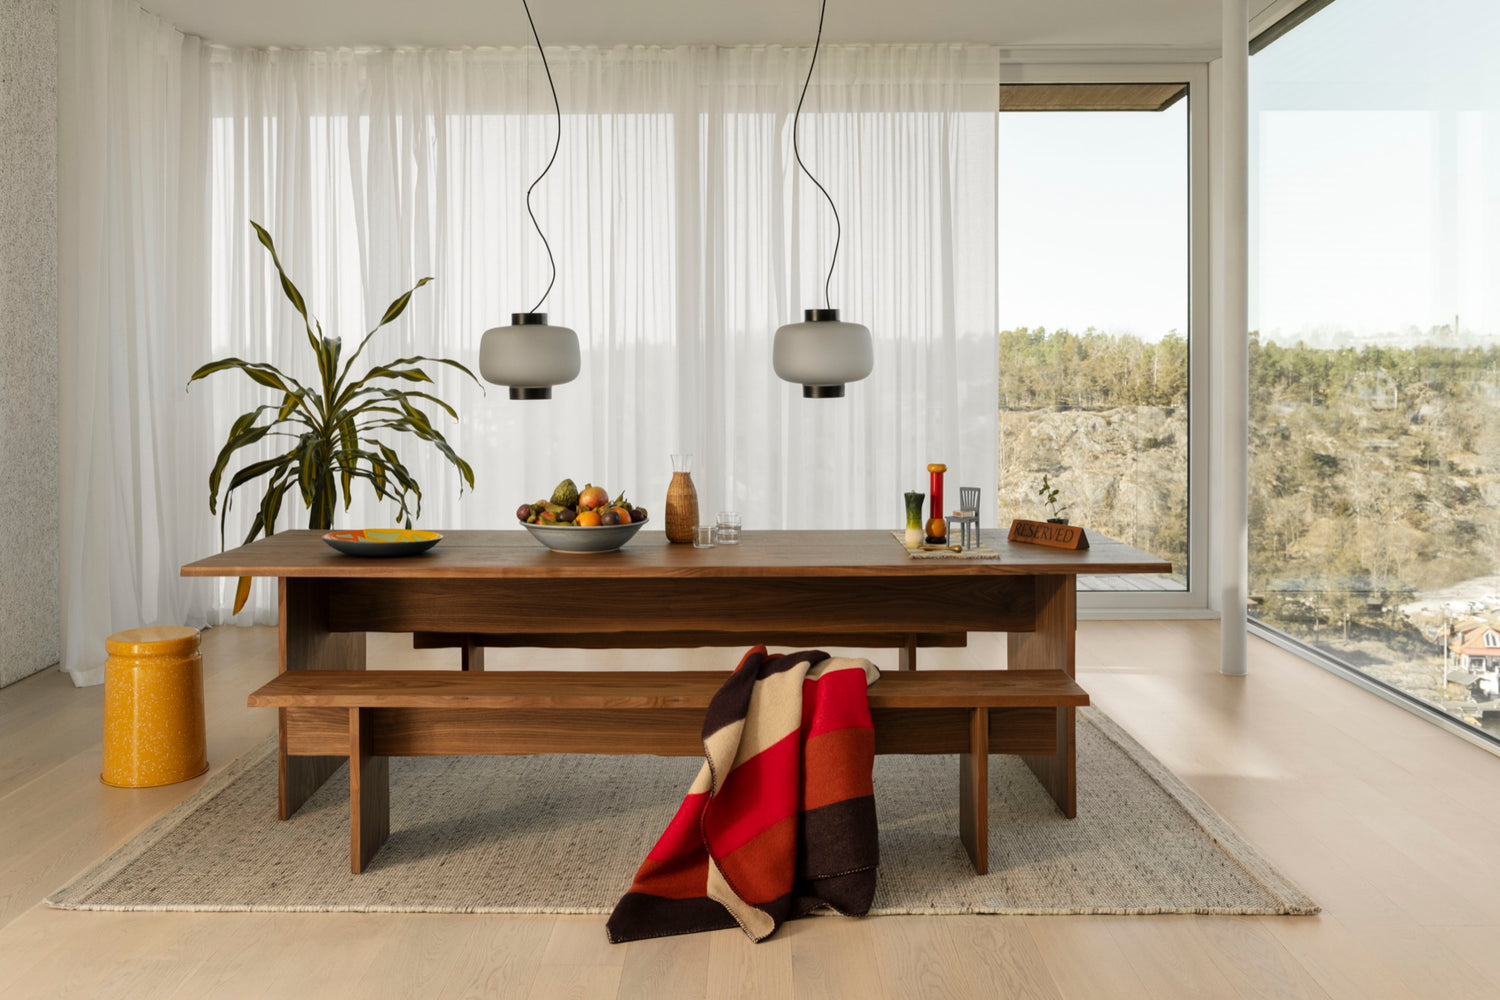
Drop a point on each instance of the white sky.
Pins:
(1094, 221)
(1375, 189)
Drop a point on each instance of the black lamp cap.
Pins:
(820, 316)
(528, 319)
(535, 391)
(822, 391)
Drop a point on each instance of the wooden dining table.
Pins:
(837, 588)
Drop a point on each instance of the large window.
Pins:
(1375, 365)
(1095, 251)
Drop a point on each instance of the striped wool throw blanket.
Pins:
(781, 818)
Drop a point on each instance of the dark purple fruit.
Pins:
(566, 515)
(523, 512)
(638, 514)
(609, 517)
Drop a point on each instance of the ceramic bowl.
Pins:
(600, 538)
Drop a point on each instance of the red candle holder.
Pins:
(937, 527)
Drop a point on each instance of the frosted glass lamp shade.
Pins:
(530, 356)
(823, 353)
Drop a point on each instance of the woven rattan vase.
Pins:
(682, 501)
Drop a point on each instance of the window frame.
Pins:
(1193, 602)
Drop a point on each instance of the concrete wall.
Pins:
(29, 594)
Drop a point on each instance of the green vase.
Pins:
(914, 518)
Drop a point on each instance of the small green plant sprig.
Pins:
(1049, 495)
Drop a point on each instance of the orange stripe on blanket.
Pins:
(763, 869)
(682, 877)
(837, 766)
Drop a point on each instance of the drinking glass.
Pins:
(703, 537)
(727, 528)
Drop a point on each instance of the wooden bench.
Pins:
(471, 645)
(370, 716)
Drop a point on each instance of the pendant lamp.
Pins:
(532, 355)
(823, 353)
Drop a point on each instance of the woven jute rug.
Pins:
(561, 834)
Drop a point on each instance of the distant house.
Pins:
(1476, 650)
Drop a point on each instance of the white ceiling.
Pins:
(1063, 23)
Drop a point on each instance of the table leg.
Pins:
(974, 792)
(306, 644)
(1051, 647)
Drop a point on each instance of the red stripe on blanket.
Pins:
(757, 793)
(682, 833)
(835, 702)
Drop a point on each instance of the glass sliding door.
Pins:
(1094, 304)
(1375, 360)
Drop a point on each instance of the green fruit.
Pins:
(566, 494)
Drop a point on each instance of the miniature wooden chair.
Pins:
(966, 515)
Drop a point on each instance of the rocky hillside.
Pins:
(1121, 471)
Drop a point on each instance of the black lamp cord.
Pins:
(838, 230)
(557, 143)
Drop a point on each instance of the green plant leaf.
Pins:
(287, 288)
(267, 375)
(438, 361)
(349, 443)
(396, 308)
(237, 439)
(250, 472)
(382, 394)
(329, 349)
(307, 471)
(428, 433)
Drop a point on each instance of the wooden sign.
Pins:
(1058, 536)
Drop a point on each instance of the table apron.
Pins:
(1001, 603)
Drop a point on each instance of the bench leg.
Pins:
(369, 792)
(471, 654)
(974, 791)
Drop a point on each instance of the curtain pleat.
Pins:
(684, 235)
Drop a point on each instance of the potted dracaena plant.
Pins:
(330, 425)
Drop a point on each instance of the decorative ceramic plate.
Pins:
(382, 542)
(596, 538)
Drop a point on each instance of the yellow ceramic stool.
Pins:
(153, 707)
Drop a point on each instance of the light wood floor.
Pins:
(1388, 822)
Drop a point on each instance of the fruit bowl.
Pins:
(577, 538)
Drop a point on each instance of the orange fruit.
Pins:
(587, 518)
(624, 514)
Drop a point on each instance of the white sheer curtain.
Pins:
(684, 236)
(133, 306)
